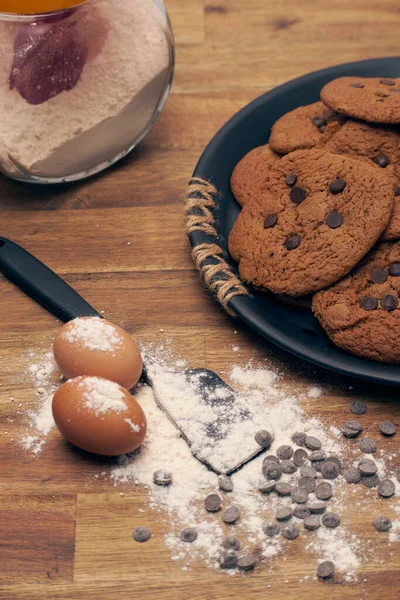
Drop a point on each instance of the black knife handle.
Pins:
(41, 283)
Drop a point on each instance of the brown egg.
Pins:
(99, 416)
(94, 346)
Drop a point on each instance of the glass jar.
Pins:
(80, 86)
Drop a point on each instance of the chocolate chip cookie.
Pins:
(301, 128)
(361, 313)
(250, 174)
(371, 99)
(319, 215)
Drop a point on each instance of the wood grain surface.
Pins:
(66, 535)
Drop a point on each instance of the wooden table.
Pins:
(65, 535)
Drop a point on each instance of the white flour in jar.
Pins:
(110, 107)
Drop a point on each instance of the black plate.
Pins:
(291, 328)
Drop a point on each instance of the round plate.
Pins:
(294, 329)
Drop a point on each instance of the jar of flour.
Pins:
(81, 83)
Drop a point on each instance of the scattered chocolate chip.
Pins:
(387, 82)
(292, 242)
(162, 477)
(318, 121)
(386, 488)
(290, 531)
(357, 85)
(283, 513)
(336, 460)
(394, 269)
(369, 303)
(231, 543)
(288, 467)
(308, 484)
(389, 302)
(351, 428)
(291, 179)
(317, 455)
(397, 189)
(298, 438)
(212, 503)
(323, 491)
(353, 475)
(382, 524)
(299, 495)
(271, 458)
(225, 483)
(379, 276)
(367, 466)
(306, 471)
(322, 129)
(312, 443)
(331, 520)
(368, 445)
(189, 535)
(283, 489)
(358, 407)
(337, 185)
(246, 562)
(387, 428)
(264, 438)
(271, 529)
(141, 534)
(381, 160)
(231, 515)
(317, 508)
(370, 481)
(266, 487)
(299, 457)
(270, 221)
(330, 470)
(312, 523)
(284, 452)
(325, 569)
(301, 512)
(228, 560)
(272, 471)
(334, 219)
(297, 195)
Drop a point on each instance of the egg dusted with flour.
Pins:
(99, 416)
(94, 346)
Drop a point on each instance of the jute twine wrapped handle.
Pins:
(201, 200)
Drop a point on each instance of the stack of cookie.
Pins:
(321, 213)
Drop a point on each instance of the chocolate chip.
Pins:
(330, 470)
(387, 428)
(357, 85)
(387, 82)
(312, 443)
(322, 129)
(290, 532)
(367, 466)
(225, 483)
(312, 523)
(353, 475)
(298, 438)
(271, 529)
(389, 302)
(288, 467)
(264, 438)
(358, 407)
(351, 428)
(270, 221)
(323, 491)
(228, 560)
(317, 455)
(397, 189)
(335, 460)
(370, 481)
(272, 471)
(212, 503)
(266, 487)
(162, 477)
(317, 508)
(301, 512)
(141, 534)
(231, 543)
(380, 276)
(382, 524)
(297, 194)
(284, 452)
(325, 569)
(231, 515)
(308, 472)
(292, 242)
(291, 179)
(337, 185)
(189, 535)
(308, 484)
(318, 121)
(299, 495)
(381, 160)
(271, 458)
(368, 303)
(246, 562)
(368, 445)
(283, 513)
(299, 457)
(283, 489)
(334, 219)
(394, 269)
(386, 488)
(331, 520)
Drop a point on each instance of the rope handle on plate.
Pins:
(201, 200)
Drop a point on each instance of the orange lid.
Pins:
(23, 7)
